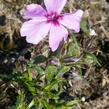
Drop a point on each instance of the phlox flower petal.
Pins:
(57, 34)
(35, 30)
(30, 25)
(72, 20)
(39, 33)
(33, 10)
(55, 5)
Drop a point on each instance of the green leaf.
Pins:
(50, 72)
(39, 70)
(45, 104)
(73, 48)
(31, 87)
(20, 104)
(29, 75)
(52, 84)
(51, 69)
(71, 103)
(39, 59)
(31, 104)
(63, 70)
(91, 59)
(84, 26)
(95, 60)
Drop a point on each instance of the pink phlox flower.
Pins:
(42, 22)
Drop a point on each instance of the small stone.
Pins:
(83, 99)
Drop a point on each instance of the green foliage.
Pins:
(44, 86)
(20, 104)
(84, 27)
(91, 59)
(39, 59)
(73, 49)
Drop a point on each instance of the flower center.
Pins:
(53, 18)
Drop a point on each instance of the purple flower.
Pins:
(41, 22)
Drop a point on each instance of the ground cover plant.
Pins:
(54, 54)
